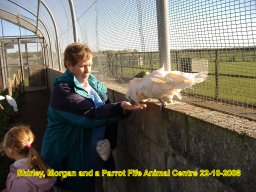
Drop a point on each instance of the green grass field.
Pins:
(233, 88)
(231, 85)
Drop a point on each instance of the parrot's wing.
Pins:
(197, 77)
(160, 72)
(176, 76)
(12, 102)
(185, 80)
(158, 80)
(133, 91)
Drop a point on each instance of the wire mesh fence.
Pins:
(218, 37)
(231, 74)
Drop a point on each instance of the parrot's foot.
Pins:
(133, 102)
(163, 104)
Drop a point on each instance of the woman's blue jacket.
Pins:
(72, 119)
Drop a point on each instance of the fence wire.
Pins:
(217, 37)
(214, 36)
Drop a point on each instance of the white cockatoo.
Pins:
(162, 84)
(12, 102)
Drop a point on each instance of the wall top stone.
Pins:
(236, 124)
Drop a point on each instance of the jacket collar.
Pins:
(22, 163)
(69, 78)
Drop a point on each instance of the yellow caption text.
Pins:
(132, 173)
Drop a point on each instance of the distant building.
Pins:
(190, 65)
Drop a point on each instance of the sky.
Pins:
(123, 24)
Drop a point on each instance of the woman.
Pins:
(77, 116)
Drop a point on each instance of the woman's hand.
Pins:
(128, 106)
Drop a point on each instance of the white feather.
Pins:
(12, 102)
(161, 83)
(1, 97)
(134, 91)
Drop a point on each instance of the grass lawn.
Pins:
(232, 87)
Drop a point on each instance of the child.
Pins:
(28, 172)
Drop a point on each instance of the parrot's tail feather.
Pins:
(178, 95)
(200, 77)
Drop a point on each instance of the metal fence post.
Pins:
(216, 74)
(163, 25)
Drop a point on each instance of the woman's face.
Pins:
(82, 69)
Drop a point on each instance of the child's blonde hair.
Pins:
(20, 139)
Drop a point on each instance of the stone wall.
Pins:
(186, 138)
(182, 137)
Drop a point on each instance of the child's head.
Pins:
(17, 144)
(18, 140)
